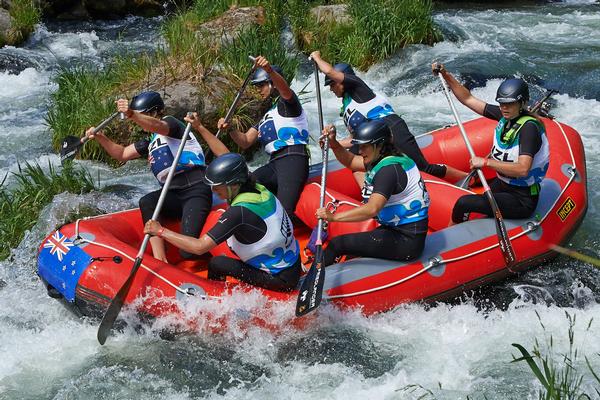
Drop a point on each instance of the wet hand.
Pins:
(329, 132)
(323, 214)
(153, 228)
(437, 68)
(221, 124)
(315, 55)
(123, 107)
(477, 162)
(193, 119)
(263, 63)
(90, 133)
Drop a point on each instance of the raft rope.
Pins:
(435, 261)
(156, 274)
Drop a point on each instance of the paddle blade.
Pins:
(69, 148)
(508, 253)
(114, 308)
(311, 290)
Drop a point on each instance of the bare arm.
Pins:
(118, 152)
(519, 169)
(462, 93)
(364, 212)
(327, 68)
(280, 84)
(146, 122)
(244, 140)
(346, 158)
(213, 142)
(187, 243)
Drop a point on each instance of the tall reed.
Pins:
(33, 188)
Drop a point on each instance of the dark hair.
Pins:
(249, 185)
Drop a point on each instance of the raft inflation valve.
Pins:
(434, 262)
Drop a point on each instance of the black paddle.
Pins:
(311, 290)
(503, 239)
(117, 302)
(71, 144)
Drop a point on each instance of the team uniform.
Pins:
(283, 131)
(188, 197)
(259, 231)
(360, 104)
(403, 219)
(516, 197)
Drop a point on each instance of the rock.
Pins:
(332, 13)
(5, 26)
(224, 29)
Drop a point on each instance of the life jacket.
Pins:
(355, 113)
(278, 249)
(410, 205)
(162, 150)
(506, 149)
(276, 131)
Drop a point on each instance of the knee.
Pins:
(147, 201)
(460, 212)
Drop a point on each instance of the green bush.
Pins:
(25, 15)
(377, 29)
(21, 204)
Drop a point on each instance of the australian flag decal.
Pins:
(61, 263)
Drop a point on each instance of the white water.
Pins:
(444, 352)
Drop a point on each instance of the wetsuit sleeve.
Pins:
(176, 127)
(493, 112)
(141, 146)
(389, 180)
(530, 140)
(241, 222)
(357, 89)
(289, 108)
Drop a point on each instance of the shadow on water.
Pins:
(344, 345)
(188, 364)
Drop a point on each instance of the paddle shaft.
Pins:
(503, 239)
(312, 286)
(238, 96)
(102, 126)
(117, 303)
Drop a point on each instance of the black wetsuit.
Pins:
(404, 141)
(287, 170)
(248, 228)
(513, 201)
(400, 243)
(188, 198)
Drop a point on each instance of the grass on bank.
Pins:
(86, 94)
(377, 29)
(559, 374)
(21, 204)
(25, 14)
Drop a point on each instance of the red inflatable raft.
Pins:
(86, 262)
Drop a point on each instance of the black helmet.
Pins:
(512, 90)
(342, 67)
(371, 131)
(147, 102)
(227, 169)
(260, 75)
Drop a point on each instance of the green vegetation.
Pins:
(86, 94)
(561, 380)
(376, 30)
(25, 15)
(21, 204)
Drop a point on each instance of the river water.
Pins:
(449, 351)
